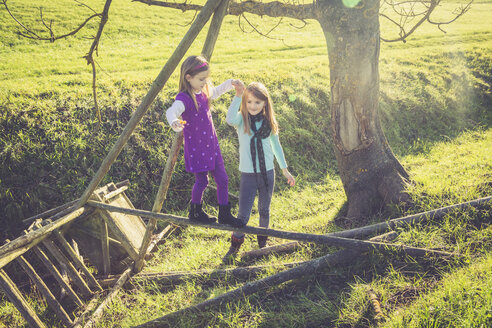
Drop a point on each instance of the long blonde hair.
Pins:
(192, 66)
(258, 90)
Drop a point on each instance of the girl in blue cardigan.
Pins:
(251, 113)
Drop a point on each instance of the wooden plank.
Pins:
(72, 272)
(18, 300)
(57, 275)
(76, 260)
(50, 298)
(105, 248)
(195, 28)
(114, 193)
(119, 234)
(306, 237)
(22, 244)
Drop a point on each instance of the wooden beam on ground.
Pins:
(22, 244)
(200, 21)
(307, 268)
(94, 318)
(409, 220)
(18, 300)
(306, 237)
(45, 291)
(165, 232)
(265, 251)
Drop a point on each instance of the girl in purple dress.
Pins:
(201, 147)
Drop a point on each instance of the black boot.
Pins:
(230, 256)
(225, 217)
(197, 214)
(262, 240)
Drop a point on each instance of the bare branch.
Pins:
(32, 35)
(407, 11)
(271, 9)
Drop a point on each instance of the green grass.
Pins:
(435, 110)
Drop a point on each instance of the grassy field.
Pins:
(435, 110)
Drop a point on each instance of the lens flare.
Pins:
(350, 3)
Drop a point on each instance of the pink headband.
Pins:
(200, 66)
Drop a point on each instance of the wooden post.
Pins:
(78, 262)
(18, 300)
(208, 47)
(161, 196)
(214, 29)
(105, 247)
(307, 237)
(57, 275)
(156, 87)
(50, 298)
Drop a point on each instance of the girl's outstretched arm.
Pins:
(234, 117)
(221, 89)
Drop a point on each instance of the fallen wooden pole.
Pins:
(319, 239)
(265, 251)
(410, 219)
(308, 268)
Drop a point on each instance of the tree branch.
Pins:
(271, 9)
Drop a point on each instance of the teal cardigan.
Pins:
(271, 145)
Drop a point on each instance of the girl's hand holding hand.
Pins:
(239, 86)
(290, 179)
(178, 125)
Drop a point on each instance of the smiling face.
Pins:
(253, 104)
(198, 81)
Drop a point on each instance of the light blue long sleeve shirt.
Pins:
(271, 145)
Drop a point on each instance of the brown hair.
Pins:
(259, 91)
(192, 66)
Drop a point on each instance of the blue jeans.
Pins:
(249, 185)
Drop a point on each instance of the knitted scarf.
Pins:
(262, 133)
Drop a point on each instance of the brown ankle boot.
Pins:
(230, 256)
(262, 240)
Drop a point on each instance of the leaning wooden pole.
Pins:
(306, 237)
(208, 47)
(156, 87)
(308, 268)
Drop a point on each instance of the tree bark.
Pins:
(370, 173)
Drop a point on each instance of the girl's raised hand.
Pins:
(178, 125)
(239, 86)
(290, 179)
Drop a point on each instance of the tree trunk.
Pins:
(370, 173)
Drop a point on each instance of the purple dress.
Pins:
(201, 147)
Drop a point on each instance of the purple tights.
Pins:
(221, 180)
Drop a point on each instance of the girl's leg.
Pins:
(264, 200)
(247, 194)
(201, 182)
(222, 181)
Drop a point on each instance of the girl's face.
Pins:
(198, 81)
(254, 105)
